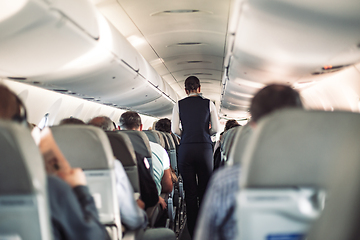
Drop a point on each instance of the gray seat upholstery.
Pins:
(240, 139)
(289, 159)
(141, 145)
(88, 147)
(124, 152)
(155, 136)
(24, 210)
(172, 151)
(227, 141)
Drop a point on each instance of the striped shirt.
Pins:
(217, 218)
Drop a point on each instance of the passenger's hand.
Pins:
(75, 177)
(140, 203)
(162, 203)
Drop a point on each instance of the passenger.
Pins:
(71, 120)
(217, 218)
(163, 125)
(73, 212)
(161, 162)
(230, 124)
(195, 158)
(102, 122)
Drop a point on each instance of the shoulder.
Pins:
(155, 147)
(226, 178)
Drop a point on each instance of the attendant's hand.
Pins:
(75, 177)
(162, 203)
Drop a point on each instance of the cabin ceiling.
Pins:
(178, 38)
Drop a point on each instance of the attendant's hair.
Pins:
(130, 120)
(192, 83)
(271, 98)
(230, 124)
(103, 122)
(163, 125)
(71, 120)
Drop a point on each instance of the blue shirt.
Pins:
(217, 218)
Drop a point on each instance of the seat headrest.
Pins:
(22, 168)
(170, 140)
(85, 147)
(122, 148)
(155, 137)
(140, 142)
(165, 139)
(294, 147)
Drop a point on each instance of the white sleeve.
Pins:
(175, 122)
(214, 119)
(132, 216)
(166, 160)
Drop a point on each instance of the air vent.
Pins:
(203, 74)
(17, 78)
(186, 44)
(61, 90)
(179, 11)
(89, 98)
(191, 62)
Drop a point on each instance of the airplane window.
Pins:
(44, 122)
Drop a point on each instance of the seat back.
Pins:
(24, 209)
(155, 136)
(228, 140)
(141, 145)
(124, 152)
(172, 152)
(240, 140)
(88, 147)
(287, 166)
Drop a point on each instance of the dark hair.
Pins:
(192, 83)
(102, 122)
(71, 120)
(230, 124)
(273, 97)
(11, 106)
(163, 125)
(130, 120)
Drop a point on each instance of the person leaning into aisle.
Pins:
(195, 114)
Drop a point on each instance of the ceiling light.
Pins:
(135, 40)
(191, 74)
(245, 95)
(186, 44)
(248, 83)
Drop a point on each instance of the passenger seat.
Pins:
(24, 210)
(287, 166)
(88, 147)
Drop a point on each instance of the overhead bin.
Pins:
(68, 45)
(37, 38)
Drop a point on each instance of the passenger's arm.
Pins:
(73, 212)
(131, 215)
(175, 121)
(214, 119)
(166, 182)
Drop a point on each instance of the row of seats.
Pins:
(85, 147)
(297, 165)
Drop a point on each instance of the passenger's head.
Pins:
(230, 124)
(130, 121)
(71, 120)
(163, 125)
(102, 122)
(271, 98)
(192, 84)
(11, 107)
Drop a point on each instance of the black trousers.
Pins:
(196, 166)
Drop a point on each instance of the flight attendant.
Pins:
(199, 121)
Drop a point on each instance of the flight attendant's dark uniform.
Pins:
(195, 153)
